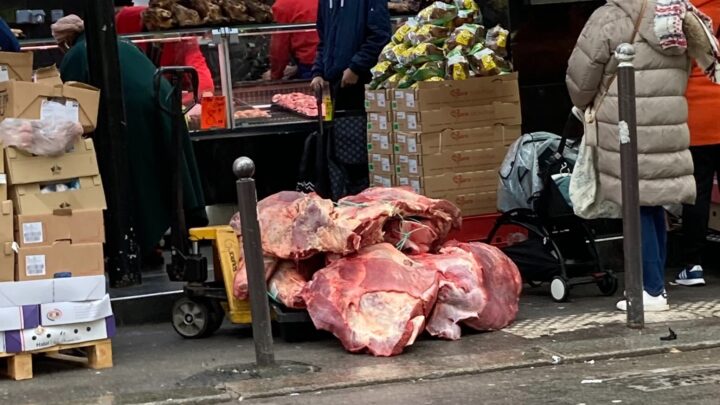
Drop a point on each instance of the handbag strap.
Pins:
(636, 31)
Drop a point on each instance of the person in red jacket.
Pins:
(186, 52)
(298, 47)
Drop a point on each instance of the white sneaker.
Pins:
(650, 303)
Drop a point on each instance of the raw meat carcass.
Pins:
(251, 113)
(235, 10)
(377, 300)
(240, 282)
(186, 17)
(166, 4)
(502, 283)
(262, 13)
(411, 236)
(299, 102)
(297, 226)
(156, 18)
(214, 15)
(289, 279)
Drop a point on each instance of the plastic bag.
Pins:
(393, 81)
(497, 40)
(429, 70)
(466, 36)
(438, 13)
(429, 33)
(402, 33)
(458, 65)
(424, 53)
(483, 61)
(40, 137)
(393, 52)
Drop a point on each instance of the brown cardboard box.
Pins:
(473, 203)
(45, 262)
(450, 162)
(377, 100)
(7, 256)
(457, 118)
(74, 101)
(76, 226)
(3, 187)
(16, 66)
(381, 180)
(380, 142)
(414, 182)
(24, 168)
(472, 92)
(379, 122)
(460, 183)
(48, 75)
(414, 143)
(714, 222)
(380, 164)
(29, 200)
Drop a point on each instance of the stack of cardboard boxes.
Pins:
(449, 138)
(378, 104)
(52, 273)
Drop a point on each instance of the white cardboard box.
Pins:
(78, 289)
(17, 294)
(63, 313)
(43, 337)
(2, 342)
(15, 318)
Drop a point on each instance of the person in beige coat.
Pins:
(662, 63)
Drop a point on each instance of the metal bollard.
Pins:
(632, 242)
(244, 168)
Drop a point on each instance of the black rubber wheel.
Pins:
(559, 289)
(534, 284)
(194, 319)
(608, 285)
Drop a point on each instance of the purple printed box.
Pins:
(17, 318)
(42, 337)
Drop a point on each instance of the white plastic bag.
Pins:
(40, 137)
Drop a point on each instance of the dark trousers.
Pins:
(654, 248)
(695, 217)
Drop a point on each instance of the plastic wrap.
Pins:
(40, 137)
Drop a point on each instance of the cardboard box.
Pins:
(458, 118)
(43, 337)
(381, 180)
(414, 182)
(457, 183)
(73, 101)
(474, 203)
(74, 289)
(379, 122)
(24, 168)
(452, 162)
(451, 93)
(380, 164)
(377, 100)
(7, 236)
(414, 143)
(76, 226)
(714, 222)
(16, 66)
(14, 294)
(3, 187)
(380, 142)
(48, 75)
(29, 200)
(61, 259)
(64, 313)
(17, 318)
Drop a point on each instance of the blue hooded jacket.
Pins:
(8, 42)
(352, 35)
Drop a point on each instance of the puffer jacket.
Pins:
(664, 161)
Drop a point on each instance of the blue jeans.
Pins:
(654, 248)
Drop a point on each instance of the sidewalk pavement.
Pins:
(154, 365)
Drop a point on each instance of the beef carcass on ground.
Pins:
(377, 300)
(240, 281)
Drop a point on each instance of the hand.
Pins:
(349, 78)
(266, 76)
(290, 72)
(317, 83)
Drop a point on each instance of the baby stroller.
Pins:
(560, 247)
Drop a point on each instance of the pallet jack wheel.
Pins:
(194, 318)
(608, 284)
(559, 289)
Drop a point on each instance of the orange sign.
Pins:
(214, 113)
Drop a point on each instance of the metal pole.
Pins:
(244, 168)
(632, 242)
(110, 139)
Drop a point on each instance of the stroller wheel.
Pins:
(534, 284)
(608, 284)
(559, 289)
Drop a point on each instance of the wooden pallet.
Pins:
(97, 355)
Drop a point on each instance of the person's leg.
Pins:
(695, 217)
(651, 237)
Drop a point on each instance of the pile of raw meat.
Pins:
(167, 14)
(376, 270)
(297, 102)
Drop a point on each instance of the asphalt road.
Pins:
(676, 378)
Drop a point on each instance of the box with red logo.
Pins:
(451, 162)
(458, 117)
(453, 140)
(452, 183)
(65, 313)
(465, 93)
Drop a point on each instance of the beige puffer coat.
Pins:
(665, 163)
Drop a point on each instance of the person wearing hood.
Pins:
(148, 136)
(352, 35)
(703, 106)
(667, 33)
